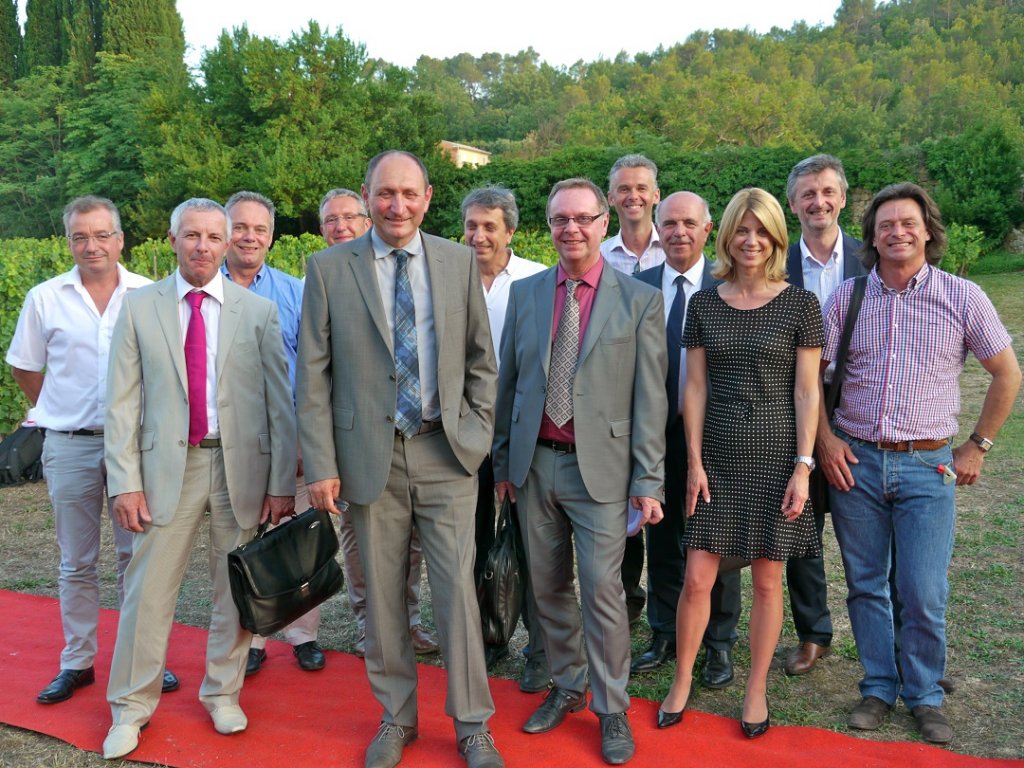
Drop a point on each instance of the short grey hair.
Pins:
(388, 153)
(245, 196)
(88, 203)
(632, 161)
(815, 164)
(341, 192)
(578, 182)
(493, 197)
(199, 204)
(703, 202)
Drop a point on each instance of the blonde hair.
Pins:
(769, 212)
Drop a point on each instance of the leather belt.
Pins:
(556, 446)
(905, 446)
(78, 432)
(425, 427)
(209, 442)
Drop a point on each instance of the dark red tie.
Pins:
(195, 366)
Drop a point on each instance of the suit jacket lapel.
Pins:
(230, 316)
(365, 272)
(604, 302)
(170, 324)
(437, 273)
(545, 314)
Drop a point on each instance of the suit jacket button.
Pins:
(181, 443)
(393, 377)
(389, 419)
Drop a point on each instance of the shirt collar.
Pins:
(616, 241)
(74, 277)
(917, 281)
(381, 249)
(837, 251)
(257, 279)
(214, 288)
(591, 277)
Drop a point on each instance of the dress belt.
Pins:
(556, 446)
(78, 432)
(425, 427)
(905, 446)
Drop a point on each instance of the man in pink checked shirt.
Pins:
(888, 454)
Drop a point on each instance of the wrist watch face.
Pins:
(982, 442)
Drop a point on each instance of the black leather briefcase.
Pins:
(285, 572)
(501, 585)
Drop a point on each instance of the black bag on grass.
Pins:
(502, 583)
(21, 456)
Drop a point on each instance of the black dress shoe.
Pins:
(753, 730)
(718, 672)
(661, 651)
(64, 684)
(493, 654)
(170, 682)
(310, 656)
(552, 712)
(256, 658)
(668, 719)
(617, 745)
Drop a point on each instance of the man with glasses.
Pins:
(58, 357)
(343, 218)
(633, 192)
(580, 444)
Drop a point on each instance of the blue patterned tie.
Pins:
(674, 335)
(409, 405)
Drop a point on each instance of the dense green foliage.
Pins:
(929, 90)
(10, 43)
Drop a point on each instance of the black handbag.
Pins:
(502, 582)
(285, 572)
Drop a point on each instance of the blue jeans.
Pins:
(899, 503)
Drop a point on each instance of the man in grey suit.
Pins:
(396, 402)
(819, 261)
(684, 223)
(199, 421)
(579, 434)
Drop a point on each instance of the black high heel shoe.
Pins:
(668, 719)
(753, 730)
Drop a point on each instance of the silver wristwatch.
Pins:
(808, 460)
(982, 442)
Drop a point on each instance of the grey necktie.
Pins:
(564, 353)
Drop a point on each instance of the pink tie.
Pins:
(195, 366)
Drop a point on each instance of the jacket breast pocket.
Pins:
(617, 340)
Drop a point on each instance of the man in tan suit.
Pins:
(396, 398)
(196, 423)
(579, 430)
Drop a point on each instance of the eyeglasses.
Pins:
(348, 218)
(100, 237)
(559, 222)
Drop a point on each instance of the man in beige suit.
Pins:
(395, 388)
(199, 420)
(579, 430)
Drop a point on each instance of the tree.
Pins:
(44, 34)
(10, 43)
(142, 27)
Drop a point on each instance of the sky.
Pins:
(401, 31)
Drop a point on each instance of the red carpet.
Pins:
(309, 720)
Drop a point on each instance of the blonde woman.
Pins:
(750, 411)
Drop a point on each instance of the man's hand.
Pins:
(650, 509)
(131, 511)
(276, 507)
(503, 489)
(834, 459)
(322, 494)
(967, 461)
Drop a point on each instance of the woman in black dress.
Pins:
(750, 412)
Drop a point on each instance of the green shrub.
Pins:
(965, 243)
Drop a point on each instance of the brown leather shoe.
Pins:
(869, 714)
(422, 641)
(933, 725)
(804, 657)
(948, 684)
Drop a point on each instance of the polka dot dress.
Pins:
(750, 423)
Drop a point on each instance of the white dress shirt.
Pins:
(211, 318)
(496, 297)
(426, 341)
(624, 260)
(61, 330)
(821, 279)
(692, 279)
